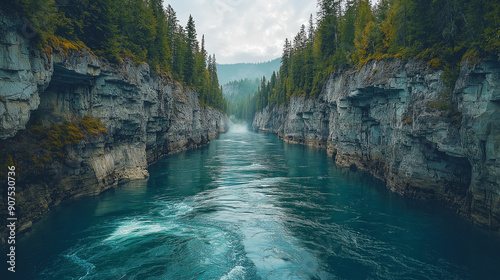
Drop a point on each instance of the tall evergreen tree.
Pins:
(171, 23)
(328, 30)
(190, 51)
(159, 54)
(180, 50)
(364, 27)
(310, 30)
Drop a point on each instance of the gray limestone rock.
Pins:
(146, 116)
(390, 118)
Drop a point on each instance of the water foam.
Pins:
(237, 272)
(175, 209)
(134, 229)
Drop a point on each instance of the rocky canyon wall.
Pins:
(398, 121)
(145, 116)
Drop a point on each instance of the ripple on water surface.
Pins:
(249, 206)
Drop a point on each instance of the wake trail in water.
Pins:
(251, 207)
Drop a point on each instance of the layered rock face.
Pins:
(393, 119)
(146, 117)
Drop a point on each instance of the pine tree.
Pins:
(491, 34)
(363, 43)
(160, 55)
(190, 52)
(328, 27)
(171, 23)
(348, 27)
(138, 27)
(310, 31)
(214, 79)
(98, 18)
(388, 30)
(180, 49)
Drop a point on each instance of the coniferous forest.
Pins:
(240, 96)
(349, 33)
(141, 30)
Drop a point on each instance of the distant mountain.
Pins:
(239, 96)
(241, 71)
(243, 87)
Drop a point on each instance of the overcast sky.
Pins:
(245, 30)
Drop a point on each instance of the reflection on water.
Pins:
(249, 206)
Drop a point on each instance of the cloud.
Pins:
(245, 31)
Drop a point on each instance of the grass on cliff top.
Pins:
(38, 147)
(56, 138)
(56, 43)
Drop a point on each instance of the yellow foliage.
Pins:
(472, 56)
(367, 32)
(126, 53)
(379, 56)
(434, 63)
(387, 26)
(56, 138)
(55, 43)
(91, 127)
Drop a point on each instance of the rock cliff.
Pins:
(145, 115)
(399, 121)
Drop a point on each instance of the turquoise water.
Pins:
(250, 206)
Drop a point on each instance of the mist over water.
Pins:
(250, 206)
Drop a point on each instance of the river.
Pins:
(250, 206)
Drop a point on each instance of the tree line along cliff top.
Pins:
(142, 30)
(350, 33)
(346, 33)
